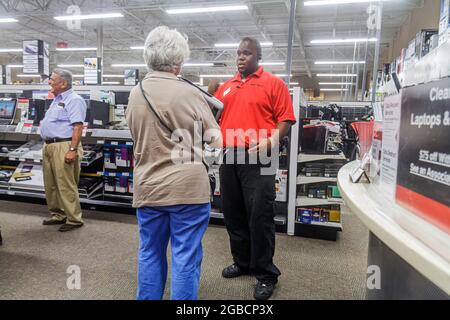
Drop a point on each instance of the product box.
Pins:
(410, 55)
(304, 215)
(333, 192)
(444, 22)
(423, 42)
(316, 215)
(122, 157)
(109, 158)
(110, 185)
(334, 216)
(281, 179)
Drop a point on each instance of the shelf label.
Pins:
(114, 143)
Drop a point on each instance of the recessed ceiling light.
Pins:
(333, 89)
(339, 62)
(335, 2)
(6, 20)
(336, 75)
(128, 65)
(235, 45)
(76, 49)
(206, 9)
(351, 40)
(11, 50)
(89, 16)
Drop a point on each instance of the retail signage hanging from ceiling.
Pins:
(92, 71)
(131, 77)
(423, 179)
(36, 57)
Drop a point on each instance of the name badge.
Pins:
(226, 92)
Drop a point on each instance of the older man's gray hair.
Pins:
(65, 75)
(165, 49)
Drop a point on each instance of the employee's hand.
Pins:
(70, 157)
(262, 145)
(213, 86)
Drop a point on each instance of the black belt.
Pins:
(54, 140)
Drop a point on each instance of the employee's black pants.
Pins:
(247, 203)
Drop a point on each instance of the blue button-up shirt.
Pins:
(66, 109)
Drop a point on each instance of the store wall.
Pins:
(426, 17)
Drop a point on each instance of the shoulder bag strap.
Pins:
(153, 110)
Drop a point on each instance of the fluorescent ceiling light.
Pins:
(293, 83)
(89, 16)
(137, 48)
(14, 65)
(336, 83)
(336, 75)
(209, 64)
(71, 65)
(78, 76)
(6, 20)
(334, 2)
(11, 50)
(76, 49)
(339, 62)
(270, 63)
(29, 75)
(351, 40)
(111, 82)
(126, 65)
(206, 9)
(282, 75)
(113, 76)
(235, 45)
(216, 75)
(333, 89)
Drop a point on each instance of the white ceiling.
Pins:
(266, 20)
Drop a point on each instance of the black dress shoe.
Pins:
(264, 290)
(69, 227)
(233, 271)
(52, 222)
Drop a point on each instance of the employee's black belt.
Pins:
(57, 140)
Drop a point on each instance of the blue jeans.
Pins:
(185, 226)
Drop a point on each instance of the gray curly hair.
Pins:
(165, 49)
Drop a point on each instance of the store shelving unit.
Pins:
(321, 229)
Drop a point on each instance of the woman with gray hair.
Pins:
(168, 118)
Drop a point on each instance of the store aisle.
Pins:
(34, 260)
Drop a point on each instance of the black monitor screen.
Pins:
(97, 114)
(7, 108)
(36, 111)
(314, 139)
(122, 97)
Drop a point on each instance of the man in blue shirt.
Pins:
(61, 130)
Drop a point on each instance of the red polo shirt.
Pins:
(253, 108)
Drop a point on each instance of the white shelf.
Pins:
(306, 202)
(111, 134)
(279, 220)
(334, 225)
(302, 179)
(304, 157)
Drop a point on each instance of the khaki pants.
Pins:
(61, 182)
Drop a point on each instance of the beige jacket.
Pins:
(167, 171)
